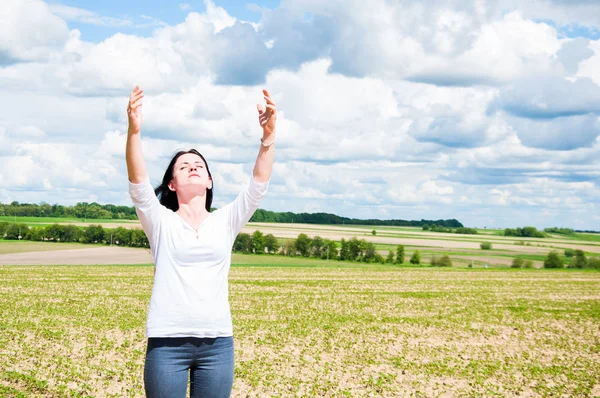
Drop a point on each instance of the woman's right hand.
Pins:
(134, 110)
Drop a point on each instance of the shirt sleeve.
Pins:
(147, 207)
(246, 203)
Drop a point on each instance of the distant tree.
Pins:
(379, 259)
(271, 243)
(289, 247)
(518, 262)
(373, 232)
(344, 250)
(444, 261)
(36, 234)
(258, 242)
(370, 253)
(400, 254)
(569, 253)
(486, 245)
(330, 252)
(553, 260)
(303, 245)
(72, 234)
(243, 243)
(465, 231)
(416, 258)
(138, 238)
(122, 236)
(433, 261)
(528, 264)
(560, 231)
(390, 257)
(3, 228)
(94, 234)
(317, 245)
(579, 260)
(354, 249)
(593, 263)
(530, 232)
(426, 227)
(16, 231)
(55, 232)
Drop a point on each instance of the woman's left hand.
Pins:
(267, 115)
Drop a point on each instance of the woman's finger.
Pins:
(273, 108)
(269, 100)
(136, 97)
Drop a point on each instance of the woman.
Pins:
(189, 326)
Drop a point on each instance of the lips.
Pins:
(193, 175)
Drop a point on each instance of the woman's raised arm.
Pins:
(136, 166)
(267, 117)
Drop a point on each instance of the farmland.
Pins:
(319, 331)
(313, 327)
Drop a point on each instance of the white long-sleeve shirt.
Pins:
(190, 291)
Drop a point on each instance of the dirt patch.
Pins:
(83, 256)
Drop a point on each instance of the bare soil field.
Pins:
(27, 246)
(78, 331)
(81, 256)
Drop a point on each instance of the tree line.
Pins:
(81, 210)
(352, 249)
(84, 210)
(525, 232)
(69, 233)
(571, 259)
(441, 228)
(315, 247)
(532, 232)
(331, 219)
(257, 243)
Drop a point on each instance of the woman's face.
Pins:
(190, 175)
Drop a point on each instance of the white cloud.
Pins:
(20, 27)
(85, 16)
(460, 109)
(590, 67)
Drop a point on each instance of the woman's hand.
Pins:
(267, 115)
(134, 110)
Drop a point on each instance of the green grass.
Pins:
(315, 331)
(585, 237)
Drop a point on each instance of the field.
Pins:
(307, 327)
(463, 249)
(325, 331)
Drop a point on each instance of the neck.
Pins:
(193, 207)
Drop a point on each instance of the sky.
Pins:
(487, 112)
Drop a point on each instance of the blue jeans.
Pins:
(208, 361)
